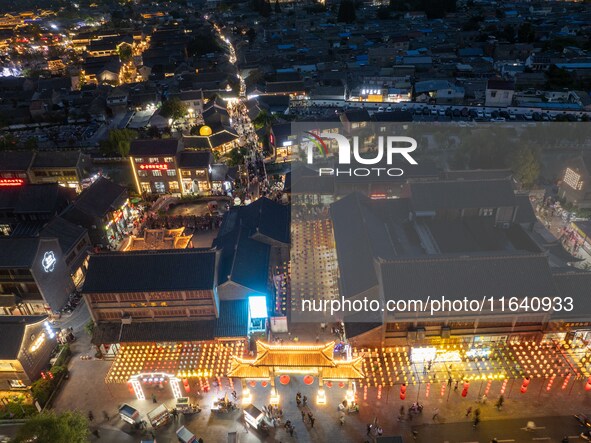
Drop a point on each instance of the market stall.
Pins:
(159, 416)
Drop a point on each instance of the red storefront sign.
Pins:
(11, 182)
(159, 166)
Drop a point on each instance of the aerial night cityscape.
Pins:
(295, 221)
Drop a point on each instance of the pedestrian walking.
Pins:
(476, 421)
(449, 382)
(342, 419)
(468, 411)
(290, 429)
(90, 416)
(312, 420)
(303, 416)
(402, 410)
(369, 429)
(436, 414)
(456, 385)
(415, 434)
(305, 401)
(96, 433)
(154, 400)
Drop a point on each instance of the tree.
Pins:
(525, 165)
(89, 327)
(265, 120)
(346, 12)
(173, 108)
(236, 156)
(49, 427)
(125, 52)
(118, 142)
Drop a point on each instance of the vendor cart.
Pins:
(159, 416)
(185, 436)
(129, 414)
(254, 416)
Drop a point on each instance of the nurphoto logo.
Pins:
(387, 146)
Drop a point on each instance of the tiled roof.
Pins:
(15, 160)
(145, 271)
(12, 330)
(18, 252)
(475, 277)
(100, 198)
(68, 234)
(430, 196)
(233, 319)
(156, 147)
(60, 159)
(195, 159)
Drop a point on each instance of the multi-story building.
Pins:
(25, 350)
(152, 285)
(195, 169)
(162, 167)
(104, 210)
(499, 93)
(66, 168)
(154, 165)
(34, 276)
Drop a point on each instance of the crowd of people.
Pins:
(195, 222)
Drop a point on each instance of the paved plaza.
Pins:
(86, 390)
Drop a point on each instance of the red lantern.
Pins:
(588, 387)
(526, 382)
(341, 385)
(187, 388)
(403, 388)
(308, 380)
(253, 383)
(264, 384)
(464, 392)
(185, 382)
(402, 395)
(329, 384)
(466, 385)
(284, 379)
(523, 389)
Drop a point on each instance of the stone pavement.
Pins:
(86, 390)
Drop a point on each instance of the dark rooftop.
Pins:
(195, 159)
(461, 194)
(56, 159)
(156, 147)
(147, 271)
(12, 330)
(15, 160)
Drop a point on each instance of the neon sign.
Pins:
(11, 182)
(38, 342)
(159, 166)
(48, 261)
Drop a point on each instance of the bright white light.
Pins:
(53, 26)
(176, 390)
(258, 306)
(137, 388)
(420, 355)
